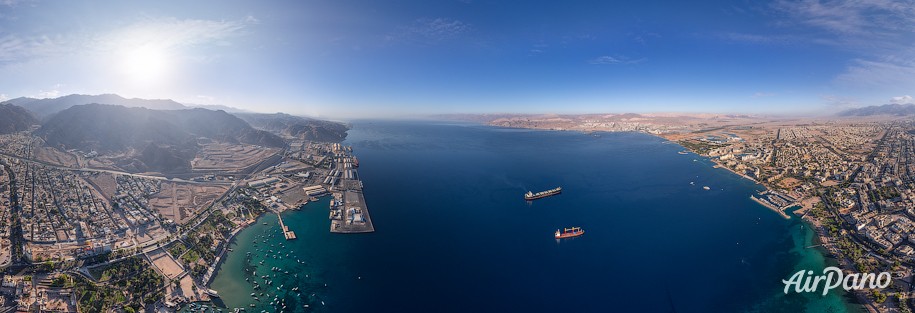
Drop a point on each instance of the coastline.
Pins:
(822, 239)
(214, 269)
(823, 245)
(229, 241)
(718, 165)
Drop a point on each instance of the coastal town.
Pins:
(850, 178)
(78, 234)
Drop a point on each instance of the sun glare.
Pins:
(146, 65)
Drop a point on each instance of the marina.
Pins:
(775, 202)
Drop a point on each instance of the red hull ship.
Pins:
(569, 233)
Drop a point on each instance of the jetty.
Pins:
(348, 213)
(290, 235)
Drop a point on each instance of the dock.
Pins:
(350, 214)
(290, 235)
(348, 211)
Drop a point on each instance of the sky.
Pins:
(345, 58)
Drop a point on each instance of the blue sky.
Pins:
(398, 58)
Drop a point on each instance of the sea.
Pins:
(454, 233)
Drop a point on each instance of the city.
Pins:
(67, 228)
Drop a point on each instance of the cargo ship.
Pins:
(569, 233)
(543, 194)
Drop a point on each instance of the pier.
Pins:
(349, 214)
(290, 235)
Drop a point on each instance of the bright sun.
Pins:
(146, 65)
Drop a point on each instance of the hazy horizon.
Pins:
(349, 59)
(437, 115)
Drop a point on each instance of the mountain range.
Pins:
(297, 127)
(44, 108)
(886, 109)
(156, 140)
(15, 118)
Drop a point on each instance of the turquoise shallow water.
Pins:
(454, 234)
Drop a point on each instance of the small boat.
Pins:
(569, 233)
(706, 187)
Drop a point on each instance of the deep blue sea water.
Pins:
(453, 233)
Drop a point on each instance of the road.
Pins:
(98, 170)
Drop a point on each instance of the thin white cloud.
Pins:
(840, 102)
(906, 99)
(643, 37)
(761, 39)
(13, 3)
(428, 30)
(763, 94)
(613, 59)
(851, 17)
(171, 33)
(45, 94)
(880, 32)
(887, 72)
(17, 48)
(167, 33)
(205, 99)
